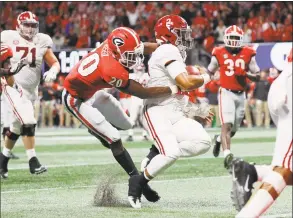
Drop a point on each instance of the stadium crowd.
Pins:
(84, 24)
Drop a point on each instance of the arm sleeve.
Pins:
(213, 66)
(176, 68)
(253, 67)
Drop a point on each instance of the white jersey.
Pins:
(159, 75)
(140, 77)
(29, 77)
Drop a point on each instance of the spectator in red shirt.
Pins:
(83, 40)
(200, 21)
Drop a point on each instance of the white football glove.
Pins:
(17, 67)
(50, 75)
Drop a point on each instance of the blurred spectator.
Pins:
(219, 32)
(71, 39)
(249, 104)
(261, 94)
(47, 105)
(58, 40)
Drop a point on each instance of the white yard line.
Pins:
(92, 186)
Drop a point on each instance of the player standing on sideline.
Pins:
(276, 179)
(27, 42)
(175, 134)
(234, 62)
(106, 67)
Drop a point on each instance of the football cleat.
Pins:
(134, 191)
(129, 138)
(228, 161)
(217, 146)
(150, 194)
(243, 177)
(36, 167)
(3, 166)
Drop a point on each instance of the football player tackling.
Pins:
(106, 67)
(234, 62)
(27, 42)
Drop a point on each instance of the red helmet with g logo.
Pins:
(126, 47)
(5, 53)
(233, 37)
(27, 24)
(175, 30)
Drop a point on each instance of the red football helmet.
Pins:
(5, 53)
(27, 25)
(233, 37)
(126, 47)
(175, 30)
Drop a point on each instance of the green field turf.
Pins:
(194, 187)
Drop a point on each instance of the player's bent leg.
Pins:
(152, 153)
(273, 184)
(109, 106)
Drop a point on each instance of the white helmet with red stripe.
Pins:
(233, 37)
(27, 25)
(126, 47)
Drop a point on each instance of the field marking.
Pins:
(92, 186)
(113, 162)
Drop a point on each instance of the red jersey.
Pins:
(96, 71)
(229, 63)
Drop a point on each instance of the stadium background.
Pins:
(78, 27)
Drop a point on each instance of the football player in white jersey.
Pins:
(136, 106)
(175, 134)
(279, 174)
(27, 42)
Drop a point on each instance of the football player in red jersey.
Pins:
(106, 67)
(234, 61)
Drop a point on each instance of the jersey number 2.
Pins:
(230, 65)
(25, 53)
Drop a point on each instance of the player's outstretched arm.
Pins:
(54, 65)
(136, 89)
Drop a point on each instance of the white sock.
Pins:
(262, 171)
(226, 152)
(158, 164)
(6, 152)
(30, 153)
(218, 138)
(259, 203)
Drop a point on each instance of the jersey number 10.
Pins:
(230, 65)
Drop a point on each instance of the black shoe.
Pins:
(217, 146)
(3, 166)
(150, 194)
(36, 167)
(243, 176)
(129, 138)
(135, 191)
(228, 161)
(13, 156)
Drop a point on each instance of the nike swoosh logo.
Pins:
(246, 184)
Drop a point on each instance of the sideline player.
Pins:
(27, 42)
(174, 134)
(106, 67)
(280, 175)
(7, 82)
(234, 61)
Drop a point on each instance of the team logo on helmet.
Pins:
(118, 41)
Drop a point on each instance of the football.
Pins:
(192, 69)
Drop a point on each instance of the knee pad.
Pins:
(104, 143)
(11, 135)
(28, 130)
